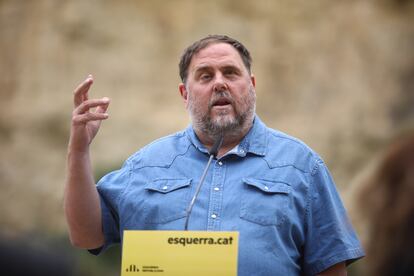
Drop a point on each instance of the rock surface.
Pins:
(337, 74)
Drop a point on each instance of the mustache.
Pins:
(220, 97)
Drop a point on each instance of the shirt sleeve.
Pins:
(110, 187)
(330, 238)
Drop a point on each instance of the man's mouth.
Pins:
(222, 102)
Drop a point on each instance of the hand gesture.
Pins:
(86, 117)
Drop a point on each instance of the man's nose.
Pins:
(220, 83)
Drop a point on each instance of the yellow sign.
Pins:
(179, 253)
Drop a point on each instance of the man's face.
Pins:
(220, 93)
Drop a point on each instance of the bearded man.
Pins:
(270, 187)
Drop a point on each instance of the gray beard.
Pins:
(222, 126)
(235, 127)
(228, 128)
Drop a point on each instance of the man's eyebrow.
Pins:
(208, 67)
(230, 66)
(202, 68)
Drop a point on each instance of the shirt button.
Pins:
(266, 188)
(241, 151)
(213, 216)
(165, 187)
(216, 189)
(220, 163)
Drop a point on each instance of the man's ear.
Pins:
(183, 93)
(253, 80)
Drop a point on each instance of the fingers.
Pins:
(86, 117)
(81, 113)
(81, 92)
(102, 108)
(88, 104)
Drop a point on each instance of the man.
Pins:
(265, 184)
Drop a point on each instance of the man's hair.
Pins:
(197, 46)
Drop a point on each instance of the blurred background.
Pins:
(337, 74)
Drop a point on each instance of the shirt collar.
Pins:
(254, 142)
(192, 136)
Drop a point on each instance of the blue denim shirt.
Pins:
(273, 189)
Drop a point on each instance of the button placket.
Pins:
(216, 196)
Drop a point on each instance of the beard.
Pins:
(224, 122)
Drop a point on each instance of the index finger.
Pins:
(81, 92)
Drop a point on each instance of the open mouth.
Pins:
(222, 102)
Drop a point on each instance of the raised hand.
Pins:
(82, 207)
(86, 117)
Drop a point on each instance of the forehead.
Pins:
(216, 54)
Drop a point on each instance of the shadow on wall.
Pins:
(17, 258)
(33, 254)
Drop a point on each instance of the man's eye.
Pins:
(205, 76)
(230, 72)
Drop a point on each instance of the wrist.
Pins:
(78, 152)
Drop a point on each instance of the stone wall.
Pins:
(337, 74)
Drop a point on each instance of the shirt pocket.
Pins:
(166, 200)
(265, 202)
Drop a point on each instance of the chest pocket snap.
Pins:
(166, 200)
(265, 202)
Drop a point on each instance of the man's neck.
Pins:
(229, 142)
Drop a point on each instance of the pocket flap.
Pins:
(268, 186)
(167, 185)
